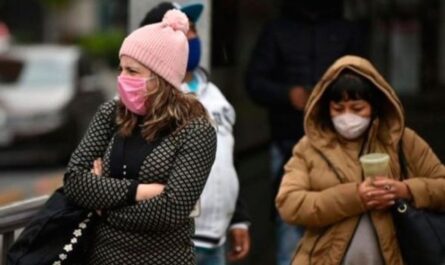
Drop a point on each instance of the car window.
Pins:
(41, 72)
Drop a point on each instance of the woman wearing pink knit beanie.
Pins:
(146, 156)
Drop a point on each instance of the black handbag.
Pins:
(420, 232)
(59, 234)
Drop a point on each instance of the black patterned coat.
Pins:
(155, 231)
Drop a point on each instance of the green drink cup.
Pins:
(375, 164)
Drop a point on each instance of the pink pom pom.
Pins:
(176, 20)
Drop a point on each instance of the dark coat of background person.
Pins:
(296, 49)
(293, 51)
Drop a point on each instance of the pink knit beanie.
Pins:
(162, 47)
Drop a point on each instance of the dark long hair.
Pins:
(350, 86)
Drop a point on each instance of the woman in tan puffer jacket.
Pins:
(353, 111)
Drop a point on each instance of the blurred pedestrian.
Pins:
(290, 56)
(354, 111)
(222, 210)
(145, 158)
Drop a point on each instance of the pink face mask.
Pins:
(132, 92)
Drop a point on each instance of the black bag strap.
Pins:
(401, 205)
(402, 161)
(331, 166)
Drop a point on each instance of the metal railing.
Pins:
(15, 216)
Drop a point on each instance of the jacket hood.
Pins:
(387, 129)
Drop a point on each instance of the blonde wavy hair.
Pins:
(169, 110)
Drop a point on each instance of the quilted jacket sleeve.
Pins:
(427, 173)
(172, 208)
(299, 204)
(82, 187)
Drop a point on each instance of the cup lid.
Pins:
(374, 158)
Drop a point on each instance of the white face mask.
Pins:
(350, 126)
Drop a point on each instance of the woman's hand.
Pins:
(148, 191)
(396, 187)
(97, 167)
(374, 197)
(97, 171)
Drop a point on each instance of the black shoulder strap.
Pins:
(402, 161)
(331, 166)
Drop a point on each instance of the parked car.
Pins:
(48, 95)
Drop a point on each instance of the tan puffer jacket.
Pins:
(325, 200)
